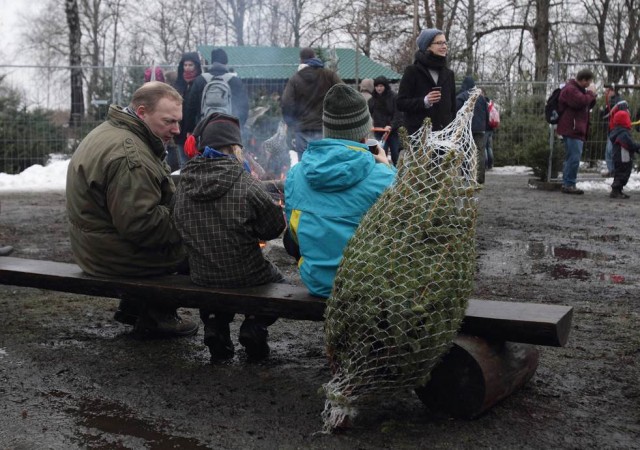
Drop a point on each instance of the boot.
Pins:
(158, 322)
(127, 313)
(615, 193)
(218, 338)
(253, 337)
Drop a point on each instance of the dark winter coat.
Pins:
(119, 192)
(623, 151)
(416, 83)
(383, 108)
(184, 89)
(222, 213)
(480, 120)
(574, 105)
(622, 141)
(239, 98)
(303, 97)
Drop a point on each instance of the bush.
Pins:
(523, 138)
(27, 138)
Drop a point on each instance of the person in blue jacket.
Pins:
(336, 182)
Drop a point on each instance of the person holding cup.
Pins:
(332, 187)
(427, 88)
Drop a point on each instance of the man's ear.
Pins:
(141, 111)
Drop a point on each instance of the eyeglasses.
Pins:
(440, 44)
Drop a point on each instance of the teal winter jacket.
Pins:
(326, 195)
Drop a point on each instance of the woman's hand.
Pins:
(433, 97)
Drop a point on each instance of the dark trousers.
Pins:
(392, 145)
(621, 174)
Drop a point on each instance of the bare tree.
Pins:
(617, 33)
(75, 61)
(538, 30)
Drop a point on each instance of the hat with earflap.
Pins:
(216, 131)
(622, 119)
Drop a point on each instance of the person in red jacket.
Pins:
(576, 99)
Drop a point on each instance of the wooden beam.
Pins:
(476, 374)
(508, 321)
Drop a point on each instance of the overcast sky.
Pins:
(12, 27)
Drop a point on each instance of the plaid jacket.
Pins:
(222, 213)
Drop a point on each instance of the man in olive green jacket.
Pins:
(119, 192)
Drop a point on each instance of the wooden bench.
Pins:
(493, 356)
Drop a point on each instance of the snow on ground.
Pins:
(52, 177)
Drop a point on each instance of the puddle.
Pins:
(544, 260)
(121, 421)
(539, 250)
(563, 271)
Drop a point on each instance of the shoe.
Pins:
(125, 317)
(6, 250)
(253, 337)
(572, 190)
(163, 323)
(618, 194)
(218, 338)
(127, 313)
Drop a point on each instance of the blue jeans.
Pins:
(303, 138)
(608, 156)
(488, 148)
(572, 156)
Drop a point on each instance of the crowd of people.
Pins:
(128, 218)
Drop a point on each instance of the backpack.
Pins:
(494, 116)
(216, 95)
(551, 110)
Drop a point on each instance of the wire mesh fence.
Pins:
(36, 112)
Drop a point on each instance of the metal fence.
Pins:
(35, 105)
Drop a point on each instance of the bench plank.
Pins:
(529, 323)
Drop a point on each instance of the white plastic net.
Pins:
(402, 288)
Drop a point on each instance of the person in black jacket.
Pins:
(303, 96)
(479, 121)
(385, 114)
(189, 68)
(417, 97)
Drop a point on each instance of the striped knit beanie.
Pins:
(346, 114)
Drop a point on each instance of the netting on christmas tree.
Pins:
(402, 288)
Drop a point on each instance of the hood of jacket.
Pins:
(467, 83)
(180, 83)
(383, 81)
(310, 73)
(127, 119)
(189, 56)
(218, 68)
(332, 165)
(203, 179)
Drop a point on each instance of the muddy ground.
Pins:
(71, 377)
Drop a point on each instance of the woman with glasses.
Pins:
(427, 88)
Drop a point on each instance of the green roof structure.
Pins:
(278, 63)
